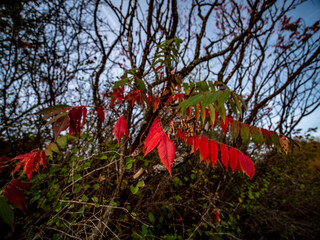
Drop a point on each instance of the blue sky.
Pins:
(309, 11)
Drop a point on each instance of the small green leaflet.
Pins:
(151, 217)
(120, 83)
(224, 97)
(190, 102)
(140, 84)
(210, 97)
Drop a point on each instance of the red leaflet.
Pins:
(158, 68)
(190, 141)
(179, 134)
(31, 162)
(154, 141)
(14, 194)
(224, 125)
(117, 94)
(19, 184)
(213, 152)
(224, 155)
(167, 151)
(155, 127)
(60, 125)
(100, 113)
(136, 96)
(156, 103)
(121, 128)
(217, 216)
(246, 164)
(267, 137)
(196, 143)
(75, 115)
(233, 158)
(204, 148)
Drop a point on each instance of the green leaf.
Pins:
(256, 135)
(53, 147)
(95, 199)
(85, 198)
(128, 166)
(237, 101)
(133, 189)
(6, 212)
(224, 97)
(140, 84)
(202, 86)
(210, 97)
(245, 133)
(151, 217)
(190, 102)
(140, 184)
(120, 83)
(62, 141)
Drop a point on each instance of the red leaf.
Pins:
(246, 164)
(75, 115)
(224, 125)
(179, 136)
(154, 141)
(167, 151)
(136, 96)
(204, 148)
(233, 158)
(121, 128)
(158, 68)
(14, 194)
(190, 141)
(155, 127)
(183, 136)
(100, 114)
(196, 143)
(224, 155)
(30, 162)
(19, 184)
(156, 103)
(213, 152)
(217, 216)
(117, 94)
(60, 125)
